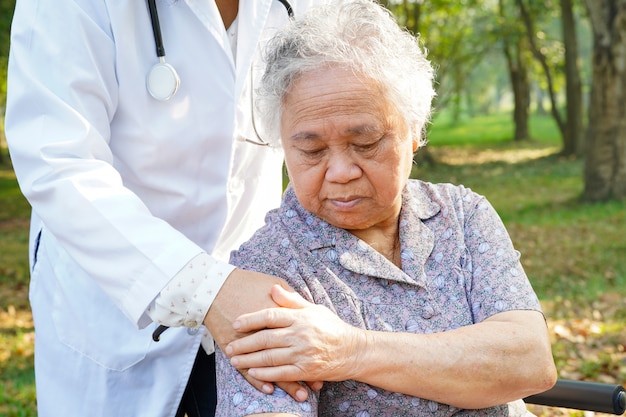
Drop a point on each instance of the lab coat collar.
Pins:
(252, 18)
(208, 14)
(253, 15)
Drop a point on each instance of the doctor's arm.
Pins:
(504, 358)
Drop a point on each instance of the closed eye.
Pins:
(312, 153)
(368, 146)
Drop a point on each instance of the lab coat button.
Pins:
(192, 331)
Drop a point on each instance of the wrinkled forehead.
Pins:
(336, 95)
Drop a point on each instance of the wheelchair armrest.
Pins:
(583, 395)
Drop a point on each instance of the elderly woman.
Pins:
(410, 298)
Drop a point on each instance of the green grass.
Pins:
(573, 252)
(17, 384)
(14, 242)
(489, 129)
(17, 381)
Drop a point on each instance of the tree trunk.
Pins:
(543, 61)
(521, 93)
(573, 138)
(539, 98)
(605, 163)
(518, 74)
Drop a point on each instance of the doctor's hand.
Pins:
(246, 292)
(299, 342)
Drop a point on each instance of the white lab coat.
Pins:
(125, 189)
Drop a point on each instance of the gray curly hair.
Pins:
(359, 35)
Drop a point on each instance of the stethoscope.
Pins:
(162, 80)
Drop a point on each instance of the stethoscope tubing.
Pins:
(156, 28)
(288, 7)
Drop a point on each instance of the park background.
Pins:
(530, 112)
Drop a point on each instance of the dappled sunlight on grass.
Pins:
(17, 336)
(489, 129)
(466, 156)
(592, 345)
(17, 339)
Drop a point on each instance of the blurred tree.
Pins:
(528, 14)
(457, 35)
(6, 13)
(605, 162)
(514, 48)
(573, 135)
(565, 61)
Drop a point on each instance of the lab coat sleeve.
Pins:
(185, 301)
(62, 96)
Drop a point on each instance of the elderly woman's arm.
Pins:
(501, 359)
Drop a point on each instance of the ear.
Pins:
(415, 142)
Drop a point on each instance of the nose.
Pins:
(342, 168)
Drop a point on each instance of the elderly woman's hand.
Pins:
(304, 342)
(232, 302)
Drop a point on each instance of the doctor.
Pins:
(141, 182)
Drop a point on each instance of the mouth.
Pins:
(345, 203)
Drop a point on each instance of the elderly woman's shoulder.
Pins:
(444, 193)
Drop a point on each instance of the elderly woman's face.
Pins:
(347, 150)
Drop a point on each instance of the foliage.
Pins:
(6, 13)
(457, 36)
(465, 42)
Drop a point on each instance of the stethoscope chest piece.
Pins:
(162, 81)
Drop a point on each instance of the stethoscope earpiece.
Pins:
(162, 81)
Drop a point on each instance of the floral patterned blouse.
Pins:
(459, 267)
